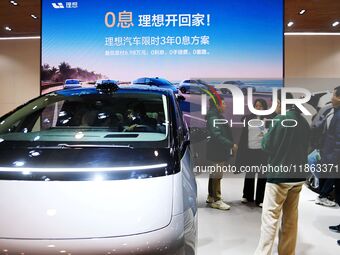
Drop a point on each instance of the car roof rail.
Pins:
(109, 87)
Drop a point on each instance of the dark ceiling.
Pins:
(19, 19)
(319, 16)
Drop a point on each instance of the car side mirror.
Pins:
(184, 146)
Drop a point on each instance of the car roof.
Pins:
(107, 80)
(151, 78)
(148, 78)
(143, 89)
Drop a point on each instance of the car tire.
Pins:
(183, 90)
(225, 91)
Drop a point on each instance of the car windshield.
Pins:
(162, 82)
(201, 82)
(89, 116)
(71, 82)
(106, 81)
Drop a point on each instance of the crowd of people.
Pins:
(276, 192)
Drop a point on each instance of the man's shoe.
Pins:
(244, 200)
(210, 200)
(220, 205)
(325, 202)
(335, 228)
(339, 242)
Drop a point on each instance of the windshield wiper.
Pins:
(75, 146)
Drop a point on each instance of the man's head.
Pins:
(260, 104)
(336, 97)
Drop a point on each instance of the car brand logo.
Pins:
(58, 5)
(67, 5)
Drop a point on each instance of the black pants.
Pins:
(337, 191)
(326, 187)
(249, 188)
(255, 157)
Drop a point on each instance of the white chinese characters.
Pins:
(186, 40)
(125, 20)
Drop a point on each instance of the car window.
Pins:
(161, 82)
(85, 117)
(157, 83)
(71, 82)
(139, 81)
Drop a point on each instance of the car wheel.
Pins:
(225, 91)
(183, 90)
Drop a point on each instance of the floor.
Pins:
(236, 232)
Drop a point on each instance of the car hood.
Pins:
(88, 209)
(71, 205)
(46, 157)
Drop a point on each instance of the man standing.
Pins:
(330, 153)
(218, 153)
(286, 147)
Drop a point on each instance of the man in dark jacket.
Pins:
(320, 127)
(330, 153)
(287, 147)
(249, 153)
(219, 145)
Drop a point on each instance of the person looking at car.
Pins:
(250, 153)
(131, 116)
(330, 153)
(286, 146)
(218, 152)
(138, 117)
(319, 181)
(325, 184)
(131, 120)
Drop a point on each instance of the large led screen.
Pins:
(238, 40)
